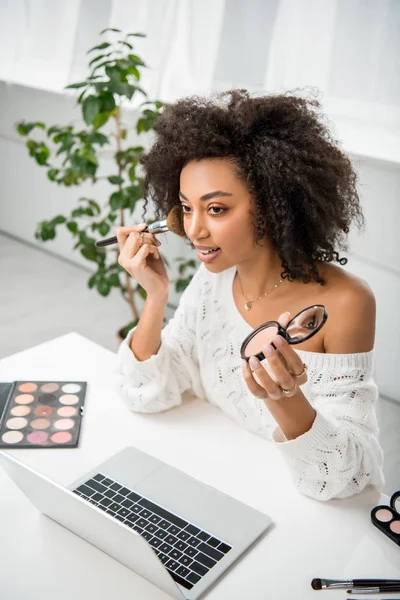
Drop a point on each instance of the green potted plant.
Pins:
(72, 156)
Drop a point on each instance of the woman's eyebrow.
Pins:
(208, 196)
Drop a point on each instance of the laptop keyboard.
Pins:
(187, 552)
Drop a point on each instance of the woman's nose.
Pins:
(195, 227)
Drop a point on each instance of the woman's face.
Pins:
(218, 213)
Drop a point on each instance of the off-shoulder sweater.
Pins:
(336, 458)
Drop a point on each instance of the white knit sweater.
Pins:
(337, 457)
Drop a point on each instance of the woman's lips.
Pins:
(208, 257)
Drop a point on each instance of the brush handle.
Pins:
(107, 241)
(376, 583)
(157, 227)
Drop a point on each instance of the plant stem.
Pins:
(130, 291)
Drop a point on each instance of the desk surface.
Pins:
(309, 539)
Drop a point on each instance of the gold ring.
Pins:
(289, 392)
(300, 374)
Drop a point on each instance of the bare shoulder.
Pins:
(351, 312)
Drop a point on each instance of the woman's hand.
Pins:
(281, 371)
(140, 257)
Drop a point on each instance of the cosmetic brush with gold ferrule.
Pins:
(173, 223)
(327, 584)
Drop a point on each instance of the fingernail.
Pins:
(268, 350)
(278, 340)
(254, 362)
(158, 242)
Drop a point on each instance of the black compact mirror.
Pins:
(302, 327)
(395, 502)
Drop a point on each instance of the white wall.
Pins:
(26, 197)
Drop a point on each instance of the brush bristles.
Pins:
(175, 221)
(316, 584)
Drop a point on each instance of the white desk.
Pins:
(40, 560)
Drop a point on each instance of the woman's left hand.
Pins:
(284, 364)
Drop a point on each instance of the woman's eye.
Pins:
(184, 207)
(217, 208)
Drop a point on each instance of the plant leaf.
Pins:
(102, 46)
(90, 109)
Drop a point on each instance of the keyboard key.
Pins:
(136, 508)
(215, 554)
(114, 506)
(192, 529)
(97, 497)
(95, 485)
(134, 497)
(109, 493)
(106, 501)
(185, 560)
(180, 580)
(107, 482)
(98, 477)
(193, 541)
(181, 546)
(203, 536)
(127, 503)
(193, 577)
(84, 489)
(164, 524)
(190, 551)
(129, 523)
(142, 523)
(182, 571)
(151, 528)
(155, 542)
(115, 487)
(132, 518)
(161, 534)
(124, 491)
(165, 514)
(165, 548)
(183, 535)
(163, 557)
(138, 529)
(171, 539)
(146, 535)
(173, 530)
(154, 519)
(118, 498)
(120, 518)
(214, 542)
(172, 564)
(224, 548)
(145, 514)
(206, 560)
(111, 512)
(175, 554)
(198, 568)
(124, 512)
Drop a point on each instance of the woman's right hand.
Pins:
(140, 257)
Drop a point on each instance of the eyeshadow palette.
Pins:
(387, 518)
(41, 414)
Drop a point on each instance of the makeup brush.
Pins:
(375, 590)
(173, 223)
(325, 584)
(379, 599)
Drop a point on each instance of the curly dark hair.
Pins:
(303, 185)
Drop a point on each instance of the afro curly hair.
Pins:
(303, 185)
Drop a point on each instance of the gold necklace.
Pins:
(249, 303)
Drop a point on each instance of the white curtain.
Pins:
(348, 49)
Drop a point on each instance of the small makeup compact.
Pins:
(387, 518)
(302, 327)
(41, 414)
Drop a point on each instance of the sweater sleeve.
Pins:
(340, 455)
(157, 383)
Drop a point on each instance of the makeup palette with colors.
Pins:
(41, 414)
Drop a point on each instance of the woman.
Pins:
(266, 197)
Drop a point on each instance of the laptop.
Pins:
(171, 529)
